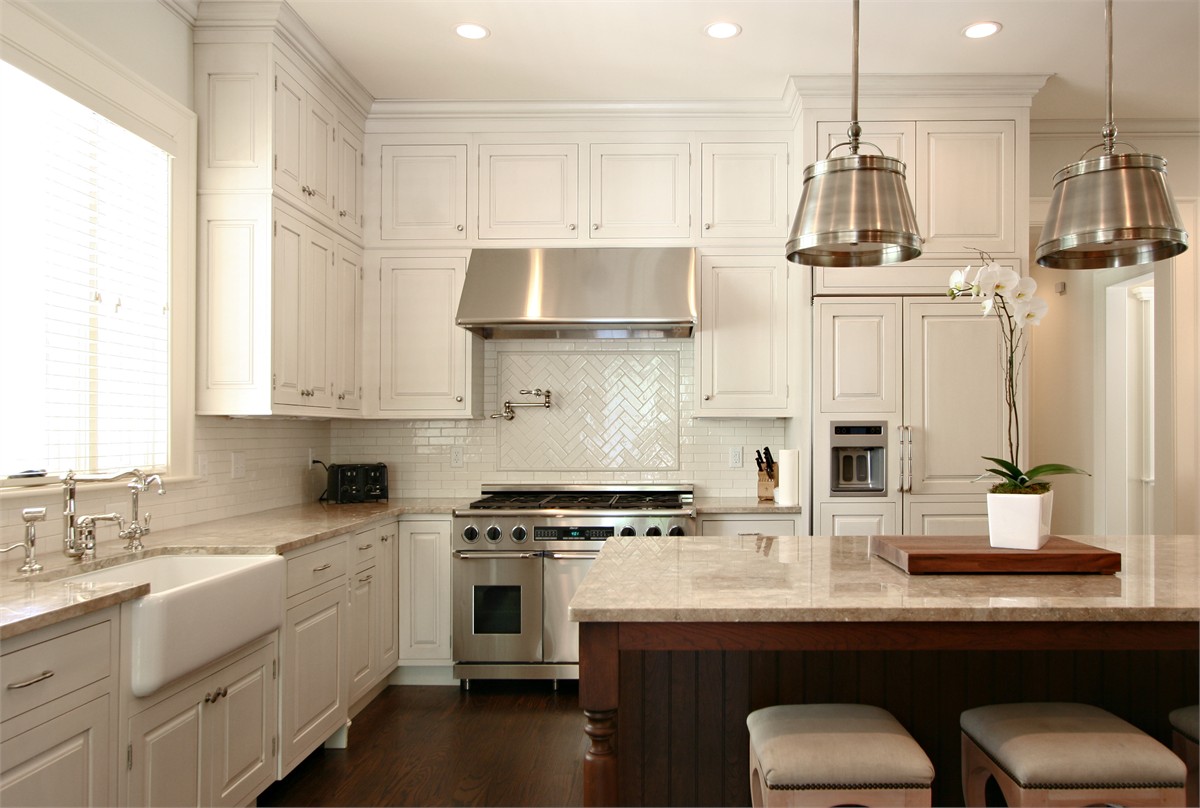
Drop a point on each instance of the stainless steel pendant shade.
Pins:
(854, 210)
(1113, 210)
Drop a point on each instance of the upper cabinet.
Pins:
(529, 191)
(280, 181)
(640, 190)
(743, 190)
(423, 191)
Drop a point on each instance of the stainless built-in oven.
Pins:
(520, 553)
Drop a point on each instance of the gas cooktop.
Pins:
(584, 498)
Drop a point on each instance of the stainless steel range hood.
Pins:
(580, 293)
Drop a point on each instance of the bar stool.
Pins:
(1185, 721)
(1065, 754)
(834, 754)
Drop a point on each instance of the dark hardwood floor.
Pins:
(501, 743)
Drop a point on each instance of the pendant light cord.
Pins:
(1109, 132)
(855, 131)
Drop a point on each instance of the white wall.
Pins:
(1064, 374)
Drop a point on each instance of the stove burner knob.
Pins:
(519, 534)
(654, 531)
(493, 534)
(470, 534)
(675, 531)
(628, 531)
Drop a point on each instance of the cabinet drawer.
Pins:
(363, 547)
(40, 673)
(315, 568)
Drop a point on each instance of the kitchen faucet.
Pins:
(79, 532)
(30, 515)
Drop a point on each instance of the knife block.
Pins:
(766, 488)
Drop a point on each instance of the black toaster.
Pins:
(357, 482)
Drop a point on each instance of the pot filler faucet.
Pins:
(79, 532)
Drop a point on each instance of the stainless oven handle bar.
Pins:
(571, 556)
(555, 512)
(493, 554)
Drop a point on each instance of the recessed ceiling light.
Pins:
(723, 30)
(978, 30)
(469, 30)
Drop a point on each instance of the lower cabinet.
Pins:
(58, 713)
(748, 525)
(212, 742)
(423, 550)
(371, 612)
(363, 618)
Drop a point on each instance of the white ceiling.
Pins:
(655, 50)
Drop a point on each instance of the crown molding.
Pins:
(183, 9)
(1050, 128)
(398, 110)
(924, 89)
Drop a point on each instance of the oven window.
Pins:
(497, 610)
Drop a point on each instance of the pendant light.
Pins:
(854, 210)
(1113, 210)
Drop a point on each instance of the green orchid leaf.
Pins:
(1002, 474)
(1048, 469)
(1013, 471)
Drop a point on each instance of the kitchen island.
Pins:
(680, 638)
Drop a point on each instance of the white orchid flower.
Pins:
(986, 304)
(998, 280)
(1023, 291)
(1031, 311)
(958, 278)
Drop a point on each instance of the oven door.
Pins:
(561, 575)
(497, 606)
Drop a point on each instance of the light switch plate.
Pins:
(456, 457)
(237, 465)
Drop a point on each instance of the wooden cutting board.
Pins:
(925, 555)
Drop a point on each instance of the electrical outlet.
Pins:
(237, 465)
(735, 457)
(456, 457)
(202, 465)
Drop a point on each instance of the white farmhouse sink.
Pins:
(200, 607)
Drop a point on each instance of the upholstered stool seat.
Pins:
(1065, 754)
(834, 754)
(1185, 722)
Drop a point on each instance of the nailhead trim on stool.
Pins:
(1066, 753)
(831, 754)
(1185, 740)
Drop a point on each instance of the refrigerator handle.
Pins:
(909, 460)
(900, 461)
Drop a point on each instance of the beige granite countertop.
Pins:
(50, 596)
(740, 505)
(822, 579)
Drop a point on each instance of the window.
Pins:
(85, 287)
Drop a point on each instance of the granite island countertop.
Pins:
(51, 597)
(836, 579)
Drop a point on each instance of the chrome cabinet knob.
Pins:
(706, 398)
(708, 226)
(595, 227)
(458, 399)
(571, 226)
(459, 228)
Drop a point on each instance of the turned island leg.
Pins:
(598, 688)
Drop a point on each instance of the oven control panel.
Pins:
(571, 533)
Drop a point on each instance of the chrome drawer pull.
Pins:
(43, 676)
(323, 567)
(749, 534)
(364, 580)
(365, 546)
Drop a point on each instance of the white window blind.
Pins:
(84, 287)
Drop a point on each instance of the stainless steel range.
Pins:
(521, 551)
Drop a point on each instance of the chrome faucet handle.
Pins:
(30, 516)
(87, 530)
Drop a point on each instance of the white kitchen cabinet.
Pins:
(743, 190)
(428, 366)
(930, 369)
(58, 732)
(372, 609)
(640, 190)
(423, 191)
(961, 174)
(211, 742)
(748, 525)
(348, 199)
(346, 308)
(314, 696)
(741, 351)
(529, 191)
(388, 634)
(423, 551)
(362, 616)
(302, 318)
(306, 143)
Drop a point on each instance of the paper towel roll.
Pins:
(787, 478)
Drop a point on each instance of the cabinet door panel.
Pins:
(640, 190)
(743, 336)
(389, 600)
(317, 292)
(290, 128)
(744, 190)
(349, 180)
(64, 761)
(424, 192)
(314, 687)
(857, 518)
(320, 149)
(241, 729)
(529, 191)
(859, 356)
(362, 615)
(954, 396)
(168, 752)
(747, 527)
(424, 578)
(347, 322)
(288, 326)
(422, 351)
(927, 518)
(967, 185)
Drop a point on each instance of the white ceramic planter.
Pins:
(1019, 521)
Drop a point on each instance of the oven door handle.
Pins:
(493, 554)
(571, 556)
